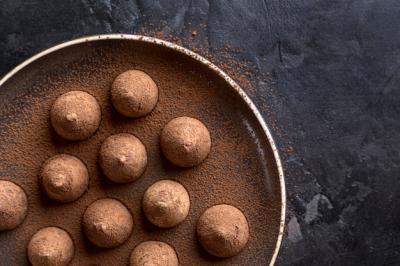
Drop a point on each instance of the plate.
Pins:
(243, 168)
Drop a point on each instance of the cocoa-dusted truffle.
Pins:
(50, 246)
(123, 158)
(107, 223)
(13, 205)
(75, 115)
(166, 203)
(134, 93)
(185, 141)
(64, 178)
(153, 253)
(223, 231)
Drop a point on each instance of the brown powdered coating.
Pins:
(50, 246)
(13, 205)
(107, 223)
(240, 169)
(75, 115)
(123, 158)
(166, 203)
(134, 93)
(64, 178)
(153, 253)
(185, 141)
(223, 231)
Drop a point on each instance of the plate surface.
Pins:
(243, 168)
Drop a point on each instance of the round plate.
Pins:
(243, 168)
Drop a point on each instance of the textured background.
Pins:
(332, 94)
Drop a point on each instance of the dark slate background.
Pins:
(333, 88)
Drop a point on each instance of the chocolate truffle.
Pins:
(107, 223)
(153, 253)
(185, 141)
(123, 158)
(50, 246)
(75, 115)
(223, 231)
(134, 93)
(64, 178)
(166, 203)
(13, 205)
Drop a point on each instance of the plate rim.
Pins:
(202, 60)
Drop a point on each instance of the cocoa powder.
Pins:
(239, 170)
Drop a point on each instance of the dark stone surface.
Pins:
(334, 92)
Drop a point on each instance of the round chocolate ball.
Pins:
(107, 223)
(153, 253)
(185, 141)
(123, 158)
(223, 231)
(13, 205)
(166, 203)
(75, 115)
(50, 246)
(134, 93)
(64, 178)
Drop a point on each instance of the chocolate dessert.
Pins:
(64, 178)
(123, 158)
(134, 93)
(223, 231)
(75, 115)
(166, 203)
(107, 223)
(50, 246)
(153, 253)
(13, 205)
(185, 141)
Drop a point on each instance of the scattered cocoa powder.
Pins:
(240, 70)
(239, 170)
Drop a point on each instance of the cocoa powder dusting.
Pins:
(239, 170)
(241, 71)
